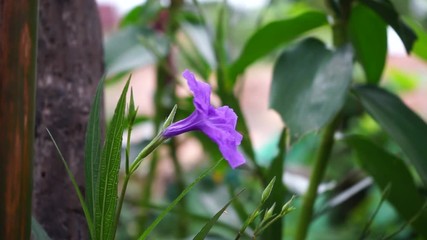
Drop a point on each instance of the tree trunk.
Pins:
(69, 68)
(18, 38)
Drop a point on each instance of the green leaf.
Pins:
(201, 46)
(406, 128)
(388, 170)
(386, 10)
(221, 53)
(208, 226)
(176, 201)
(76, 188)
(420, 46)
(368, 33)
(109, 165)
(274, 35)
(141, 15)
(310, 84)
(276, 170)
(124, 51)
(93, 149)
(38, 231)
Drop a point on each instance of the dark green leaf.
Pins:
(272, 36)
(93, 149)
(278, 194)
(406, 128)
(388, 170)
(38, 231)
(208, 226)
(309, 84)
(368, 33)
(420, 46)
(109, 165)
(386, 10)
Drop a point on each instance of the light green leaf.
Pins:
(406, 128)
(124, 51)
(368, 33)
(274, 35)
(420, 46)
(38, 231)
(388, 170)
(106, 192)
(208, 226)
(93, 150)
(310, 84)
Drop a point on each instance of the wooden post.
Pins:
(18, 35)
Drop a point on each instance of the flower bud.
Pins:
(267, 190)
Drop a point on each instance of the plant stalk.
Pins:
(315, 179)
(121, 199)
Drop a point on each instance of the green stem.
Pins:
(182, 225)
(249, 221)
(119, 207)
(315, 179)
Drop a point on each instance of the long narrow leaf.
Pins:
(176, 201)
(76, 187)
(106, 192)
(208, 226)
(277, 196)
(93, 149)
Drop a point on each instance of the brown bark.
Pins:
(17, 92)
(69, 69)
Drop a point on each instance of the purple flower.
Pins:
(217, 123)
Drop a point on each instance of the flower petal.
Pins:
(201, 91)
(220, 127)
(219, 124)
(232, 155)
(187, 124)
